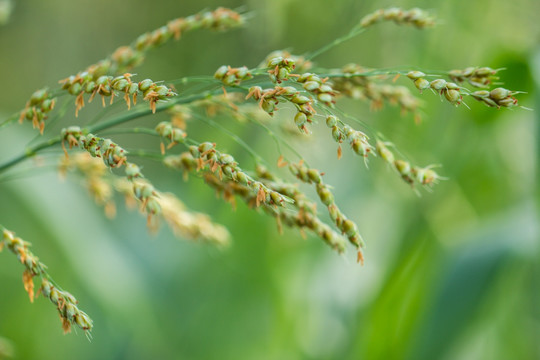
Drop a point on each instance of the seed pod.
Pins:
(228, 170)
(54, 296)
(90, 87)
(145, 84)
(83, 321)
(132, 89)
(75, 88)
(325, 195)
(152, 206)
(337, 134)
(242, 178)
(481, 94)
(438, 84)
(414, 75)
(161, 90)
(133, 171)
(508, 102)
(103, 80)
(289, 90)
(206, 146)
(335, 214)
(38, 96)
(311, 85)
(120, 85)
(499, 94)
(349, 227)
(304, 77)
(178, 135)
(225, 159)
(384, 153)
(314, 176)
(275, 61)
(403, 167)
(453, 96)
(325, 98)
(70, 310)
(276, 198)
(428, 177)
(331, 121)
(360, 147)
(421, 84)
(283, 74)
(47, 105)
(300, 119)
(268, 106)
(300, 99)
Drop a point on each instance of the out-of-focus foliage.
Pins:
(452, 274)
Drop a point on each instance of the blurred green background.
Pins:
(452, 274)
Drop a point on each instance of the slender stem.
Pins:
(136, 130)
(354, 32)
(30, 152)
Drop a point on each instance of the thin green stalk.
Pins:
(354, 32)
(136, 130)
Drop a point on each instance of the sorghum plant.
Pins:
(243, 92)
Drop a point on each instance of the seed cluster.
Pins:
(280, 68)
(313, 84)
(108, 86)
(410, 174)
(167, 130)
(451, 91)
(476, 76)
(112, 154)
(357, 140)
(232, 76)
(305, 215)
(66, 303)
(91, 80)
(497, 97)
(300, 63)
(269, 98)
(220, 19)
(101, 184)
(415, 16)
(127, 57)
(345, 225)
(206, 157)
(37, 109)
(145, 192)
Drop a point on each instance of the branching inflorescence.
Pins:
(282, 80)
(65, 303)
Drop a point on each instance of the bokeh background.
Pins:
(451, 274)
